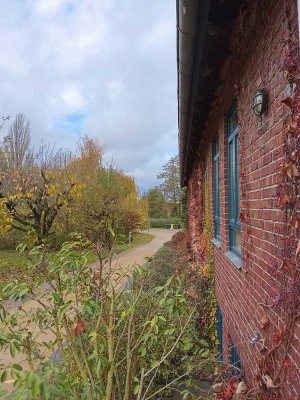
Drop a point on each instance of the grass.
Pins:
(14, 264)
(138, 238)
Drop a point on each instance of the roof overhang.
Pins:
(203, 29)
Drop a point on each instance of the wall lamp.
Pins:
(260, 102)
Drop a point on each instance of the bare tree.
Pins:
(2, 152)
(17, 143)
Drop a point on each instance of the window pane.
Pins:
(216, 190)
(217, 230)
(231, 182)
(237, 240)
(233, 121)
(236, 182)
(216, 148)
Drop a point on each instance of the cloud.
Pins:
(103, 68)
(72, 98)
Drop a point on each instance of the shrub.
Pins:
(115, 338)
(10, 240)
(162, 222)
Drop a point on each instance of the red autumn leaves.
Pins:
(290, 171)
(265, 322)
(284, 200)
(81, 326)
(229, 390)
(288, 101)
(289, 168)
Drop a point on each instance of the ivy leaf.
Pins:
(287, 265)
(295, 156)
(295, 221)
(265, 321)
(289, 169)
(242, 216)
(292, 170)
(284, 200)
(293, 128)
(298, 249)
(288, 101)
(268, 381)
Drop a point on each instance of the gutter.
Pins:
(192, 20)
(298, 12)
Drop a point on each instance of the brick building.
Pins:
(238, 112)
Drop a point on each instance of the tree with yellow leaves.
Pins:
(32, 197)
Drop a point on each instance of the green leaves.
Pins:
(98, 328)
(203, 342)
(17, 367)
(63, 310)
(2, 313)
(4, 376)
(16, 290)
(109, 227)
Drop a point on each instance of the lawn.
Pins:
(138, 238)
(14, 264)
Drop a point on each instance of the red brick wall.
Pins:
(257, 56)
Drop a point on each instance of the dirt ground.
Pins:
(123, 263)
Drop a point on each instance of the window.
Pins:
(235, 360)
(216, 178)
(233, 181)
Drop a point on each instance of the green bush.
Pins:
(114, 341)
(10, 240)
(162, 222)
(56, 240)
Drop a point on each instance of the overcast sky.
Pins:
(106, 68)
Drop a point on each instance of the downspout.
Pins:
(298, 12)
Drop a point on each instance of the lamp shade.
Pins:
(259, 102)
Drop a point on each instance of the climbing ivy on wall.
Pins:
(275, 367)
(211, 300)
(275, 335)
(202, 263)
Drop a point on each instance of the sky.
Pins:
(106, 68)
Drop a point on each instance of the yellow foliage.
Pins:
(204, 271)
(5, 218)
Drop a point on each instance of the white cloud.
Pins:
(52, 6)
(112, 60)
(72, 98)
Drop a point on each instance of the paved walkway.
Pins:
(123, 263)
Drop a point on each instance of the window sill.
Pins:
(236, 260)
(216, 242)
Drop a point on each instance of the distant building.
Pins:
(238, 116)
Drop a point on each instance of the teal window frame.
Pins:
(216, 185)
(233, 178)
(235, 360)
